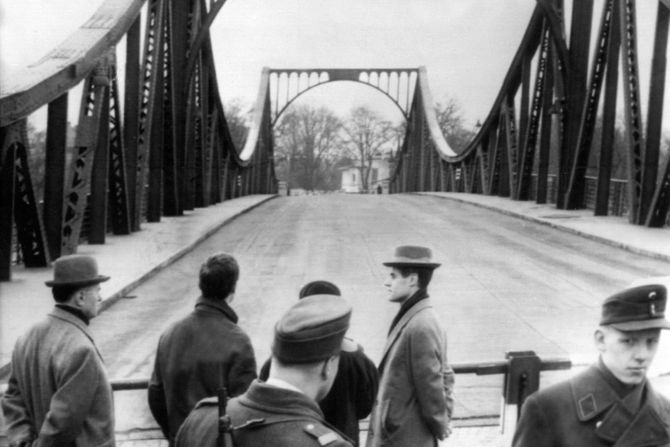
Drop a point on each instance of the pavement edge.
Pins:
(116, 296)
(556, 226)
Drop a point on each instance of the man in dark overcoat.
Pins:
(415, 399)
(355, 387)
(611, 403)
(283, 410)
(203, 351)
(58, 392)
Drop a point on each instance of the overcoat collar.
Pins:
(221, 306)
(400, 326)
(595, 399)
(280, 401)
(66, 316)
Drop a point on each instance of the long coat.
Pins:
(197, 355)
(263, 416)
(586, 412)
(414, 402)
(58, 392)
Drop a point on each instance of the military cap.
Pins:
(76, 270)
(319, 287)
(636, 308)
(412, 256)
(312, 330)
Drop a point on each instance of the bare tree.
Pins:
(368, 136)
(237, 118)
(307, 138)
(450, 120)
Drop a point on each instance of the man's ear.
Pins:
(414, 279)
(329, 367)
(78, 299)
(599, 339)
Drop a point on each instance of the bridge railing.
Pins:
(544, 119)
(521, 373)
(156, 144)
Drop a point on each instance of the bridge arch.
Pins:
(287, 85)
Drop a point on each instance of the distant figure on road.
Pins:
(203, 351)
(379, 189)
(611, 403)
(415, 399)
(355, 386)
(58, 392)
(283, 410)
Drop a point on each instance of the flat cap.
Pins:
(312, 330)
(412, 256)
(636, 309)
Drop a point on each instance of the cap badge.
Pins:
(652, 295)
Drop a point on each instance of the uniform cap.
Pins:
(412, 256)
(636, 309)
(312, 330)
(320, 287)
(76, 270)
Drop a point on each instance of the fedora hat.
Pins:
(412, 256)
(76, 270)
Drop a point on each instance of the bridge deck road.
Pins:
(504, 284)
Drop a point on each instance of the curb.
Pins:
(116, 296)
(594, 237)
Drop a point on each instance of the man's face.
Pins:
(400, 288)
(628, 355)
(90, 300)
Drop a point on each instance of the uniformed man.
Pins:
(612, 402)
(283, 411)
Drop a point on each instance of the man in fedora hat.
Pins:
(283, 410)
(414, 402)
(612, 402)
(58, 392)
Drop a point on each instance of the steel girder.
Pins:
(544, 132)
(132, 170)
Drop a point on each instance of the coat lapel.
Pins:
(397, 330)
(594, 398)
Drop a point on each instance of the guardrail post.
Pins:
(521, 379)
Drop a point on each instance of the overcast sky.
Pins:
(466, 45)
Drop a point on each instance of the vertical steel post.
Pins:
(131, 117)
(580, 35)
(656, 209)
(7, 185)
(100, 173)
(54, 176)
(545, 132)
(609, 116)
(632, 109)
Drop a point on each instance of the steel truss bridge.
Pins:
(163, 146)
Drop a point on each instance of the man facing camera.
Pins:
(283, 411)
(612, 402)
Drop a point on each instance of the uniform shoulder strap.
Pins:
(323, 435)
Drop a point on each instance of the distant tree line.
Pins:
(313, 144)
